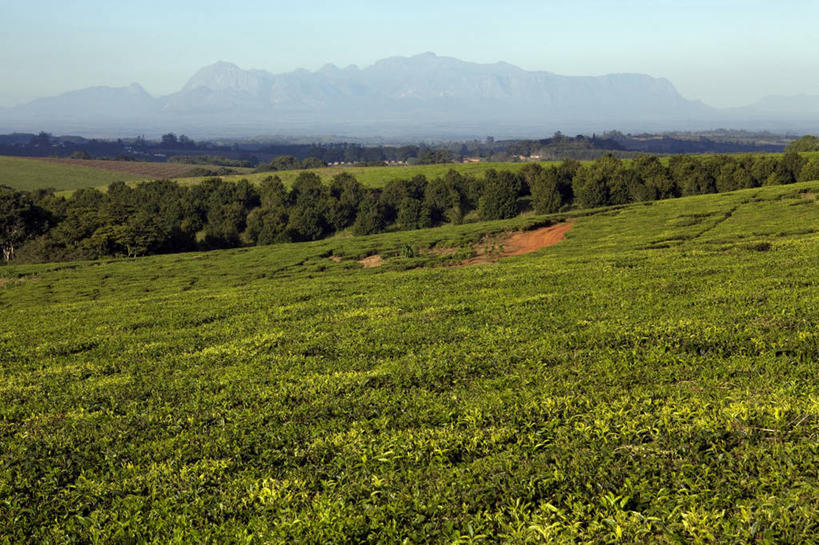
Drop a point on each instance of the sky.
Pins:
(723, 52)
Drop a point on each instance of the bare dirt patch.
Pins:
(524, 242)
(372, 261)
(335, 258)
(519, 243)
(809, 196)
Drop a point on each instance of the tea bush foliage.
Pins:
(651, 379)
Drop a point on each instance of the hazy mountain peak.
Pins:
(136, 89)
(422, 59)
(223, 75)
(423, 95)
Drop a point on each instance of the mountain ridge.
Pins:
(423, 95)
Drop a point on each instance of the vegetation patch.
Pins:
(15, 281)
(597, 392)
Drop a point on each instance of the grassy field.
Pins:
(379, 176)
(26, 174)
(65, 175)
(653, 378)
(145, 169)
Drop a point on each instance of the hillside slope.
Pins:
(650, 379)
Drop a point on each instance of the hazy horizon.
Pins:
(725, 54)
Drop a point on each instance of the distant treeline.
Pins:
(171, 147)
(268, 156)
(162, 216)
(219, 160)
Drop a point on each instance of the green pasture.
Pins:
(651, 379)
(379, 176)
(29, 174)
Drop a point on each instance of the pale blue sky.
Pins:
(724, 52)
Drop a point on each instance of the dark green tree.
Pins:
(499, 199)
(346, 194)
(546, 196)
(396, 191)
(806, 143)
(691, 175)
(445, 198)
(655, 177)
(267, 224)
(412, 214)
(762, 169)
(305, 223)
(224, 226)
(370, 218)
(792, 164)
(20, 220)
(810, 171)
(312, 162)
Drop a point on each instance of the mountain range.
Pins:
(424, 96)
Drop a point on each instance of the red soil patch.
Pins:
(524, 242)
(519, 243)
(138, 168)
(372, 261)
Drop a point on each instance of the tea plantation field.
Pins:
(654, 378)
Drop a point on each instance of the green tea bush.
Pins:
(601, 390)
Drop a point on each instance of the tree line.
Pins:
(162, 216)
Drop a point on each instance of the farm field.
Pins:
(379, 176)
(652, 378)
(65, 175)
(144, 169)
(27, 173)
